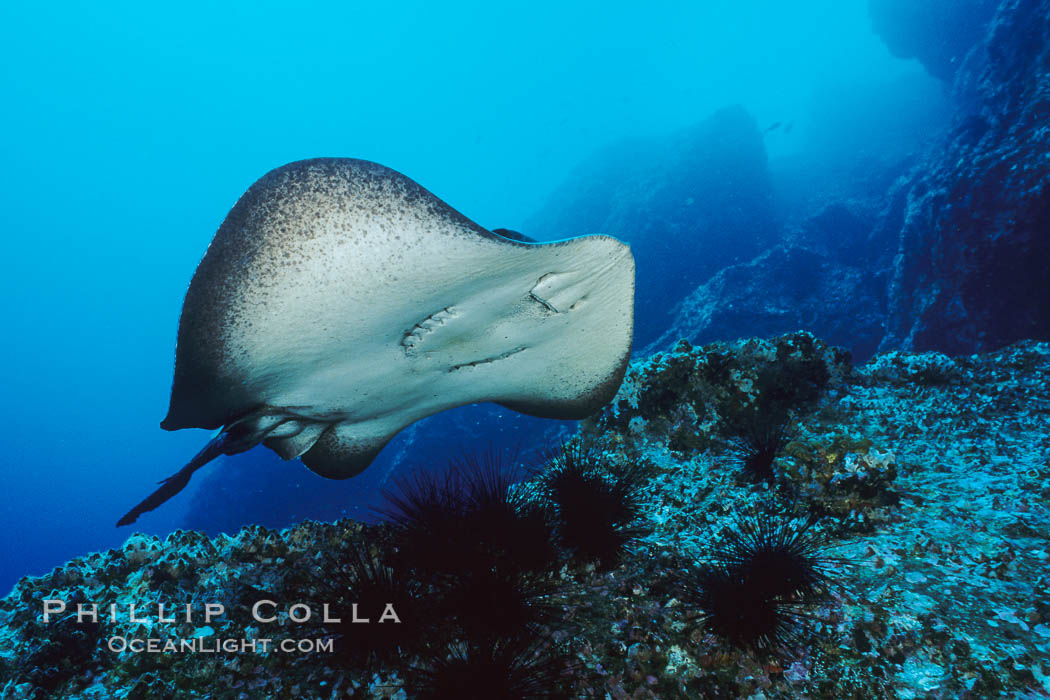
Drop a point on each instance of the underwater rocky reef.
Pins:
(897, 512)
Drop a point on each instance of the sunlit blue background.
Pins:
(129, 129)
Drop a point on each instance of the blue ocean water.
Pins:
(129, 130)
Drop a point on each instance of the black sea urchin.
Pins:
(787, 554)
(487, 605)
(758, 588)
(359, 585)
(758, 443)
(760, 429)
(516, 670)
(482, 545)
(468, 516)
(597, 508)
(737, 611)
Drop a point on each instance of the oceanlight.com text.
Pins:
(211, 645)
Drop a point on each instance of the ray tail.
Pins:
(177, 481)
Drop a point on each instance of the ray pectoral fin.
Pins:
(584, 341)
(295, 444)
(344, 451)
(177, 481)
(577, 408)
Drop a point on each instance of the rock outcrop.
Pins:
(972, 220)
(786, 288)
(939, 33)
(821, 281)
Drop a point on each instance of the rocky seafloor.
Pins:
(927, 477)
